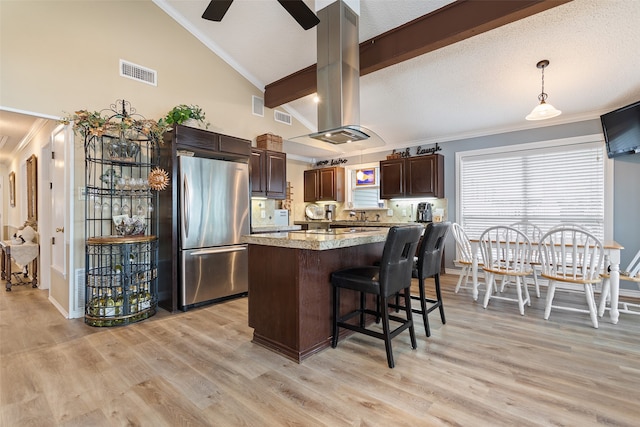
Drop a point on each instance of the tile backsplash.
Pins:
(262, 211)
(401, 211)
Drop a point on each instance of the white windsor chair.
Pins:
(506, 252)
(465, 258)
(574, 257)
(629, 274)
(534, 233)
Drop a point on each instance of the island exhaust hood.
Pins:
(338, 83)
(338, 75)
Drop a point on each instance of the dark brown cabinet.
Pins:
(421, 176)
(204, 143)
(326, 184)
(268, 173)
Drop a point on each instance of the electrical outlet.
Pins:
(389, 212)
(82, 193)
(404, 212)
(263, 213)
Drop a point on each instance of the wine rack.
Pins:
(121, 247)
(121, 279)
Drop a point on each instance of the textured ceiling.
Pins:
(482, 85)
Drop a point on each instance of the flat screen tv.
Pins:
(621, 129)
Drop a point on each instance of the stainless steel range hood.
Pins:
(338, 74)
(338, 83)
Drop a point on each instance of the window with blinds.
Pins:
(362, 196)
(544, 184)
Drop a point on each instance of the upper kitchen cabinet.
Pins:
(268, 174)
(326, 184)
(208, 144)
(421, 176)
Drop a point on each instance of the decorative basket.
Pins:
(269, 141)
(394, 156)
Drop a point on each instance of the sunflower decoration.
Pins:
(158, 179)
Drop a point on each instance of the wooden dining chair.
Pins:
(465, 256)
(629, 274)
(534, 233)
(571, 225)
(573, 257)
(506, 252)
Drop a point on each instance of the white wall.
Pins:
(61, 56)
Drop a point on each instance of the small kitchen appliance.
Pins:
(330, 212)
(280, 217)
(424, 213)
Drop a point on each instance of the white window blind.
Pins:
(364, 196)
(545, 185)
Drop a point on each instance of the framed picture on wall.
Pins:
(12, 188)
(366, 176)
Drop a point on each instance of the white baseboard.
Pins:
(59, 307)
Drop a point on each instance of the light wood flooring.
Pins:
(488, 367)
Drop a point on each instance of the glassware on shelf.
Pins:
(115, 208)
(123, 149)
(140, 210)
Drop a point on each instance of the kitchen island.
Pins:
(290, 289)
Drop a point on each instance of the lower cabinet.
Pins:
(122, 283)
(268, 173)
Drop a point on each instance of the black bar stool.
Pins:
(392, 276)
(428, 265)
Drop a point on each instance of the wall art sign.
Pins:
(332, 162)
(419, 151)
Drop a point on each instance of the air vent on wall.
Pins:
(257, 106)
(79, 291)
(282, 117)
(138, 72)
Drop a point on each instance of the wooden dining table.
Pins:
(611, 262)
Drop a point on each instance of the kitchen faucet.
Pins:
(354, 214)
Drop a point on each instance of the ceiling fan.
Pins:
(296, 8)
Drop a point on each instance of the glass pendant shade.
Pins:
(543, 111)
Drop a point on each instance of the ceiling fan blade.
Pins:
(301, 13)
(216, 10)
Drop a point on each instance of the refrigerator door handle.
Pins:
(185, 206)
(219, 250)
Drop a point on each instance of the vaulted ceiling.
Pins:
(479, 85)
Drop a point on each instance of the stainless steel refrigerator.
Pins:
(214, 213)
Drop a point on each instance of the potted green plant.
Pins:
(183, 113)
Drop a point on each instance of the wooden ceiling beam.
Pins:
(448, 25)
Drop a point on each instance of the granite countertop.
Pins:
(274, 228)
(356, 223)
(319, 240)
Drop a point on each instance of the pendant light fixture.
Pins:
(543, 110)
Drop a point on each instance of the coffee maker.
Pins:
(424, 213)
